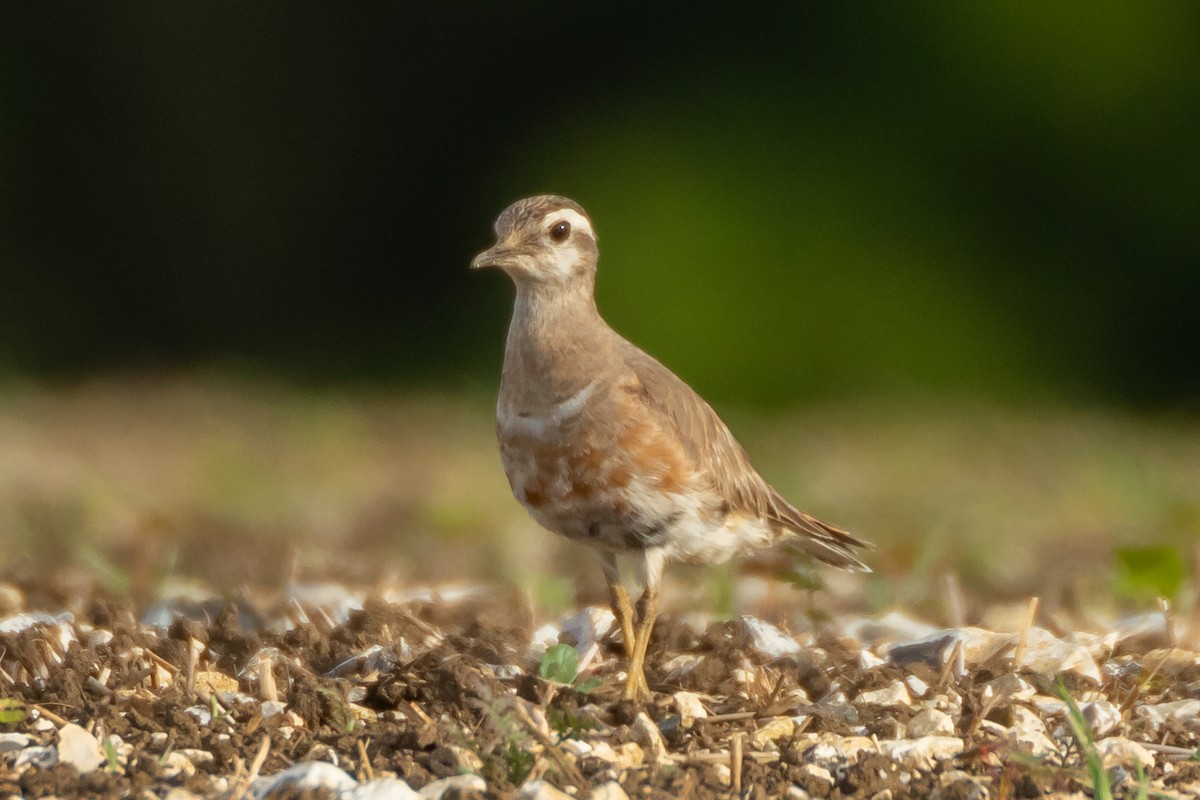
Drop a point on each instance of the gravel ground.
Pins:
(324, 691)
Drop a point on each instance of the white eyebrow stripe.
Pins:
(578, 221)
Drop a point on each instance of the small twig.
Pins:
(735, 762)
(1168, 749)
(1023, 641)
(162, 662)
(193, 659)
(260, 758)
(736, 716)
(956, 655)
(1164, 605)
(954, 600)
(266, 679)
(50, 715)
(365, 760)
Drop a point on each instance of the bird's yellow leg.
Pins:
(622, 609)
(636, 687)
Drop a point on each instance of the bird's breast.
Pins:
(586, 468)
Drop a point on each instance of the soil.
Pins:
(426, 690)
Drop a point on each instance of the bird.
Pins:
(605, 446)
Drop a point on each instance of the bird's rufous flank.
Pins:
(604, 445)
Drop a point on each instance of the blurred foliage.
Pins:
(1147, 573)
(794, 200)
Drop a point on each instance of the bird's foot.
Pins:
(636, 687)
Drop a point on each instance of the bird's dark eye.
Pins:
(560, 230)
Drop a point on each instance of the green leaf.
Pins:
(591, 684)
(1146, 573)
(11, 710)
(560, 664)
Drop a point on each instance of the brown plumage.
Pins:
(603, 444)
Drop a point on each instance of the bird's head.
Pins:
(543, 240)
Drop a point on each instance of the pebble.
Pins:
(767, 640)
(592, 624)
(770, 731)
(13, 741)
(817, 772)
(1008, 687)
(1182, 710)
(1119, 750)
(1102, 716)
(688, 707)
(931, 722)
(895, 626)
(305, 775)
(1030, 732)
(41, 757)
(179, 793)
(380, 789)
(1047, 655)
(459, 783)
(609, 791)
(917, 686)
(797, 793)
(197, 756)
(79, 748)
(540, 790)
(647, 734)
(174, 765)
(895, 694)
(923, 752)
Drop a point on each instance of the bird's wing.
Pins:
(714, 452)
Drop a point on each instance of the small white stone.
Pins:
(179, 793)
(923, 752)
(1185, 711)
(895, 694)
(918, 687)
(381, 789)
(460, 783)
(609, 791)
(196, 755)
(13, 741)
(1008, 687)
(540, 790)
(722, 773)
(1048, 706)
(647, 734)
(202, 714)
(270, 708)
(931, 722)
(1117, 750)
(771, 731)
(766, 639)
(305, 775)
(689, 708)
(817, 772)
(592, 624)
(79, 748)
(42, 757)
(1048, 655)
(1102, 716)
(1030, 732)
(868, 660)
(175, 765)
(797, 793)
(99, 638)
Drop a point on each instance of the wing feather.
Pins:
(714, 451)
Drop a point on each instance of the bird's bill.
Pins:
(497, 256)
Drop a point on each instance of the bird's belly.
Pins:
(616, 493)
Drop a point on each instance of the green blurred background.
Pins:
(795, 201)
